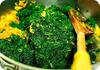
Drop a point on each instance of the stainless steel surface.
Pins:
(9, 4)
(58, 3)
(90, 8)
(9, 64)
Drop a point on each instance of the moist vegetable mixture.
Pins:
(42, 37)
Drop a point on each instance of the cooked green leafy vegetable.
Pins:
(50, 40)
(17, 49)
(91, 22)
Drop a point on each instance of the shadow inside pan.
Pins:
(6, 5)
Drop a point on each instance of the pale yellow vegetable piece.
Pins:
(81, 61)
(6, 29)
(43, 14)
(21, 5)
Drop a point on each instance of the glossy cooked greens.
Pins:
(50, 40)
